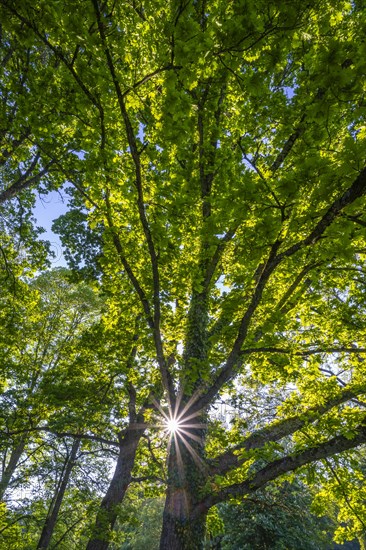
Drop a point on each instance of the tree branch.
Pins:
(289, 292)
(149, 76)
(288, 146)
(303, 353)
(126, 265)
(25, 182)
(232, 360)
(167, 381)
(9, 151)
(62, 434)
(355, 219)
(57, 51)
(357, 189)
(276, 431)
(211, 267)
(282, 466)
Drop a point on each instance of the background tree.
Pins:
(278, 518)
(53, 316)
(53, 383)
(67, 379)
(342, 496)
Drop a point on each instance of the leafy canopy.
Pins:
(216, 152)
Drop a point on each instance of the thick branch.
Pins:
(357, 189)
(276, 431)
(303, 353)
(25, 182)
(167, 381)
(281, 466)
(61, 434)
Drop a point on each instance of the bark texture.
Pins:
(51, 519)
(187, 476)
(10, 468)
(108, 511)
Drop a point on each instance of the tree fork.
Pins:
(51, 518)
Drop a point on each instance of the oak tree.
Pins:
(220, 146)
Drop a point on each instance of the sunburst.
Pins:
(172, 425)
(180, 422)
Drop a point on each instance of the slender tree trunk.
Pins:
(11, 466)
(108, 511)
(52, 516)
(186, 480)
(362, 541)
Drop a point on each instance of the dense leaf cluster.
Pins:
(216, 156)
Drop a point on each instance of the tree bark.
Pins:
(108, 511)
(187, 476)
(11, 466)
(179, 531)
(52, 516)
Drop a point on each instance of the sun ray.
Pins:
(188, 434)
(189, 417)
(198, 460)
(160, 409)
(189, 403)
(195, 426)
(179, 458)
(177, 404)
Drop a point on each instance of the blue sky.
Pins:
(48, 208)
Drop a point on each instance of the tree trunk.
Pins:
(11, 466)
(53, 512)
(186, 480)
(179, 532)
(108, 511)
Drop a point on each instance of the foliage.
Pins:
(45, 321)
(342, 496)
(11, 535)
(216, 156)
(140, 523)
(278, 517)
